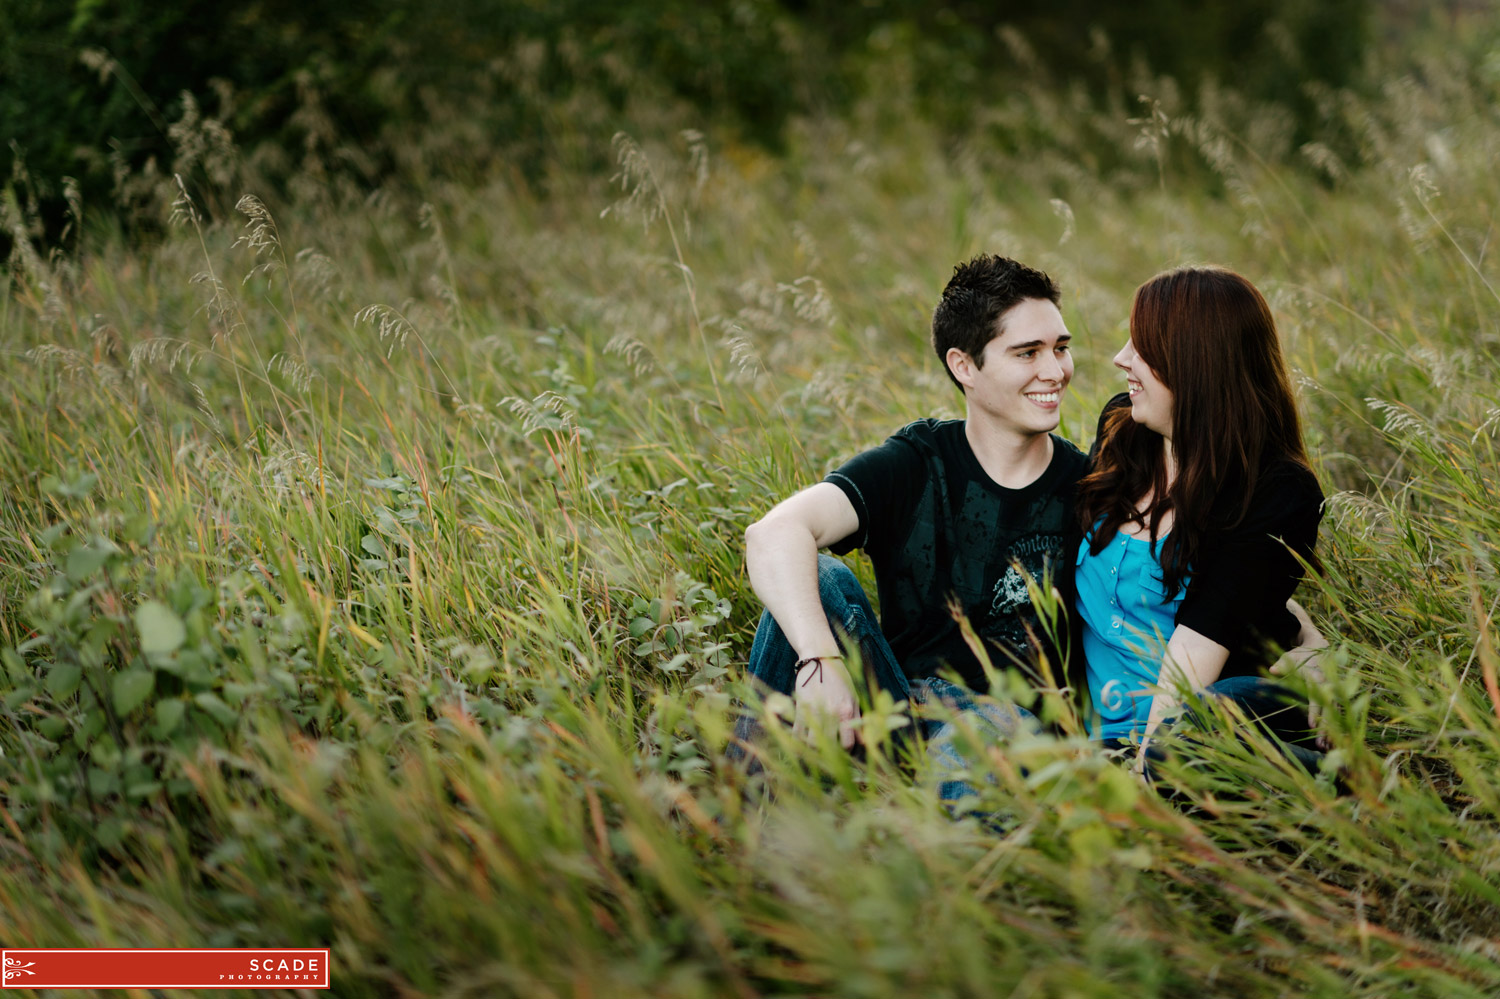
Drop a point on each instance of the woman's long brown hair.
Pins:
(1208, 335)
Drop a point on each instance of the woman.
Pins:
(1199, 513)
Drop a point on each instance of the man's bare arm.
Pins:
(781, 556)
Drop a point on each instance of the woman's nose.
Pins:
(1125, 356)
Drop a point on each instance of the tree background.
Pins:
(89, 90)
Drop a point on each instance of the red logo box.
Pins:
(184, 968)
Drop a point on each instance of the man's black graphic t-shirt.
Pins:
(935, 525)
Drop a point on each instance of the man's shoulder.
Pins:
(930, 434)
(909, 448)
(1067, 452)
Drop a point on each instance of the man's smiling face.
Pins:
(1025, 369)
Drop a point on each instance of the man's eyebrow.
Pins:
(1031, 344)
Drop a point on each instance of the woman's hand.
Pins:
(823, 692)
(1304, 659)
(1164, 706)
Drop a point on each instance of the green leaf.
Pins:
(111, 833)
(93, 723)
(1117, 790)
(373, 545)
(105, 752)
(169, 716)
(76, 489)
(55, 537)
(63, 679)
(237, 693)
(20, 696)
(1091, 844)
(131, 688)
(221, 712)
(84, 562)
(15, 666)
(100, 632)
(102, 782)
(161, 629)
(139, 529)
(142, 790)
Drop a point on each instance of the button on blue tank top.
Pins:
(1127, 620)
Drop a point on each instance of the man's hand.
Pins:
(823, 693)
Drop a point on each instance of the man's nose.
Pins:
(1052, 369)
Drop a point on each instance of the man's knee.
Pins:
(837, 584)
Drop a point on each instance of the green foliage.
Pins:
(99, 89)
(113, 86)
(371, 567)
(118, 692)
(966, 57)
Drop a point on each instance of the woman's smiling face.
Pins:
(1150, 399)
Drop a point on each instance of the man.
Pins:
(950, 510)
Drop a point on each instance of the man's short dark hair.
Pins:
(978, 294)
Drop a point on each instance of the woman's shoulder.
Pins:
(1286, 493)
(1289, 477)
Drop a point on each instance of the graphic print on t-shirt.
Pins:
(1010, 592)
(1010, 601)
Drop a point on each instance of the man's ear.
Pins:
(962, 366)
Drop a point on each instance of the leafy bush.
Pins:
(118, 688)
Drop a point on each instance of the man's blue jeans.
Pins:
(773, 665)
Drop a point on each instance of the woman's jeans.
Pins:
(773, 664)
(1277, 711)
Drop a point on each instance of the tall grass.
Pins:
(372, 575)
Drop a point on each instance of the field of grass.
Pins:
(371, 567)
